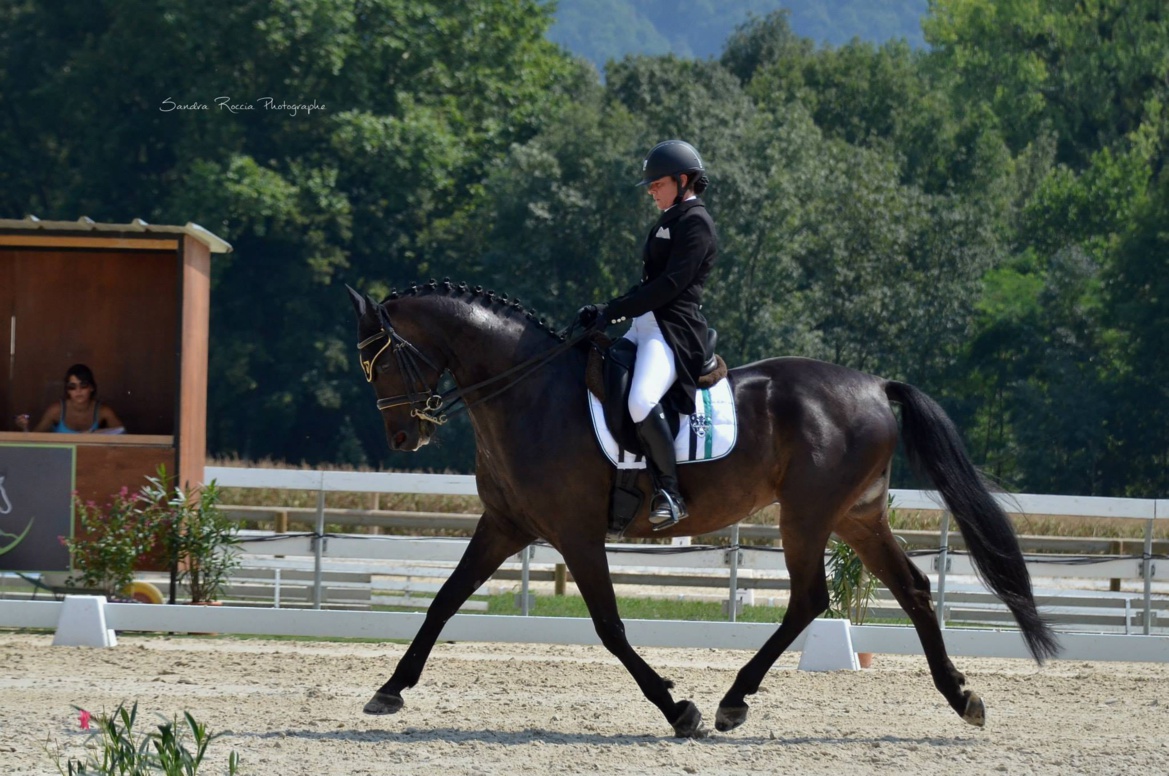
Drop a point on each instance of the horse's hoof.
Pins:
(975, 712)
(384, 704)
(729, 718)
(688, 722)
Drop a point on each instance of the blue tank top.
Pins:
(61, 428)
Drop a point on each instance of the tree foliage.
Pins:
(984, 218)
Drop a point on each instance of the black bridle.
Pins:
(428, 404)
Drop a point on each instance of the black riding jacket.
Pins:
(678, 255)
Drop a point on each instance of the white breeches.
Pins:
(654, 371)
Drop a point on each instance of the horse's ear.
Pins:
(359, 301)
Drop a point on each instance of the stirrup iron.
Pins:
(677, 512)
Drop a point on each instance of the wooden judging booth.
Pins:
(131, 301)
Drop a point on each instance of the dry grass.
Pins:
(272, 497)
(1030, 525)
(907, 520)
(1045, 525)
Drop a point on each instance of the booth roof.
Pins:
(85, 224)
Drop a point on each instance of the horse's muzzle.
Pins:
(410, 440)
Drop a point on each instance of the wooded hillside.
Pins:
(601, 30)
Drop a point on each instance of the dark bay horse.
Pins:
(815, 437)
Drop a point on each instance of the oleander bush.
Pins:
(174, 748)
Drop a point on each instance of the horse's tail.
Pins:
(935, 451)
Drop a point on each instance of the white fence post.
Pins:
(318, 549)
(525, 580)
(1147, 572)
(942, 560)
(733, 601)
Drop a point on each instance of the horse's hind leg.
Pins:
(590, 569)
(804, 555)
(878, 550)
(492, 543)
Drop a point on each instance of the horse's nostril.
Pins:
(399, 439)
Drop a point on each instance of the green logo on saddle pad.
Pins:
(703, 424)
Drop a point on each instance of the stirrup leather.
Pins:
(673, 512)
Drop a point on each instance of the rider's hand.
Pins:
(591, 316)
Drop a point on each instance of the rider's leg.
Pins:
(657, 442)
(654, 372)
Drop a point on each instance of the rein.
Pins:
(436, 407)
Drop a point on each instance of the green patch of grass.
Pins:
(634, 609)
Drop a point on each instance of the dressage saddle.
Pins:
(617, 376)
(610, 380)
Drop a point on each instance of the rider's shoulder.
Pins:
(696, 216)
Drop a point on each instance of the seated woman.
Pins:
(79, 411)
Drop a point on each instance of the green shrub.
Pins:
(109, 543)
(115, 749)
(195, 534)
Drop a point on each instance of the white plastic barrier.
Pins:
(564, 630)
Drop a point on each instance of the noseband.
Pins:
(428, 404)
(407, 357)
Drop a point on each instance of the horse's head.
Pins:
(404, 379)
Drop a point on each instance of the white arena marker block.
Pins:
(828, 647)
(82, 623)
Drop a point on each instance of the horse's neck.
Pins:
(484, 344)
(480, 342)
(478, 353)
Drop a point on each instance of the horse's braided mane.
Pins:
(499, 303)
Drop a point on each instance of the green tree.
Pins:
(1086, 70)
(561, 219)
(417, 99)
(1136, 289)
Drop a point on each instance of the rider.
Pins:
(667, 324)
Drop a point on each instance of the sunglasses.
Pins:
(77, 386)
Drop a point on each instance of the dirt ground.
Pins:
(295, 708)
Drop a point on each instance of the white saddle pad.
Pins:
(706, 435)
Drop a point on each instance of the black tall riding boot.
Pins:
(657, 443)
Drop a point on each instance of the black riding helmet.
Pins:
(671, 158)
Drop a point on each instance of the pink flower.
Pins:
(83, 717)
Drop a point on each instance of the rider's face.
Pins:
(664, 191)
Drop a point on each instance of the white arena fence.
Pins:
(324, 548)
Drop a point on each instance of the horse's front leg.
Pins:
(492, 543)
(590, 569)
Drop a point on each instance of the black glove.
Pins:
(592, 317)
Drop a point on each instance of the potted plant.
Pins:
(851, 588)
(108, 544)
(196, 535)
